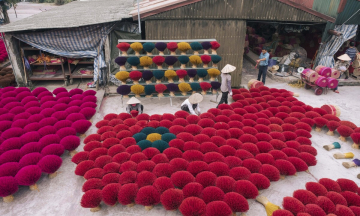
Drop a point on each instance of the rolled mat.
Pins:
(253, 83)
(321, 81)
(335, 73)
(310, 75)
(332, 109)
(332, 82)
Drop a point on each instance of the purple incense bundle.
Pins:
(191, 73)
(161, 46)
(172, 88)
(121, 62)
(170, 60)
(206, 45)
(124, 90)
(147, 75)
(215, 86)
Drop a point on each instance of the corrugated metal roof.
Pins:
(351, 7)
(74, 14)
(239, 9)
(327, 7)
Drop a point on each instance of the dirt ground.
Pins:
(62, 195)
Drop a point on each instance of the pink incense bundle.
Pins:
(206, 59)
(320, 122)
(214, 46)
(158, 60)
(135, 76)
(344, 132)
(181, 74)
(332, 125)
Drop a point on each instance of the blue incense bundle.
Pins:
(183, 61)
(158, 74)
(149, 89)
(196, 46)
(215, 59)
(134, 62)
(201, 74)
(195, 87)
(148, 47)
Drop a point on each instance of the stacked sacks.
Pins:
(328, 197)
(230, 151)
(37, 127)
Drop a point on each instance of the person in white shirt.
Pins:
(134, 104)
(191, 105)
(226, 83)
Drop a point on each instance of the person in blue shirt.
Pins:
(263, 62)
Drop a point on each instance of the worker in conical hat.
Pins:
(342, 65)
(134, 104)
(191, 105)
(226, 83)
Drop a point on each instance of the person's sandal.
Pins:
(336, 91)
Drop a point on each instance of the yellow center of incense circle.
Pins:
(153, 137)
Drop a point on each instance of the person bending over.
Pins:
(191, 105)
(134, 104)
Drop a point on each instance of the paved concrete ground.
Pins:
(62, 195)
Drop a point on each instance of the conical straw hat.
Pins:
(133, 100)
(344, 57)
(195, 98)
(228, 69)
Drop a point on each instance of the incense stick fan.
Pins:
(183, 47)
(348, 155)
(124, 90)
(213, 73)
(191, 73)
(206, 46)
(123, 47)
(215, 60)
(148, 47)
(196, 46)
(269, 207)
(214, 46)
(134, 62)
(215, 87)
(334, 145)
(158, 74)
(195, 60)
(201, 74)
(195, 87)
(121, 62)
(183, 61)
(161, 46)
(172, 88)
(181, 74)
(354, 163)
(206, 60)
(205, 87)
(146, 61)
(158, 60)
(170, 61)
(184, 88)
(170, 74)
(135, 76)
(160, 88)
(137, 90)
(137, 47)
(149, 90)
(172, 46)
(147, 75)
(122, 76)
